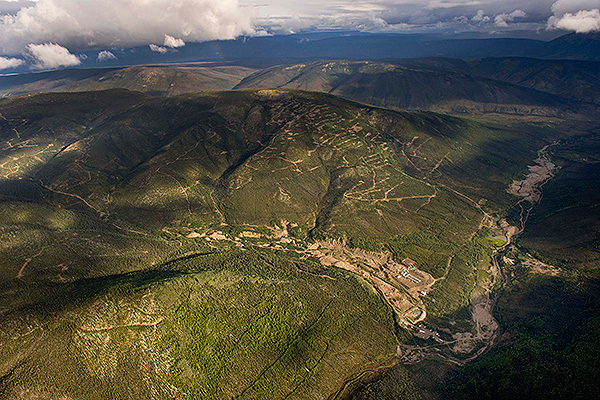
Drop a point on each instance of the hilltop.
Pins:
(323, 153)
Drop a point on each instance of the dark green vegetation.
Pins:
(332, 167)
(548, 349)
(565, 229)
(551, 88)
(156, 81)
(550, 345)
(548, 316)
(124, 270)
(577, 80)
(247, 324)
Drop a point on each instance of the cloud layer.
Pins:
(77, 24)
(9, 62)
(51, 55)
(46, 33)
(282, 16)
(454, 15)
(582, 22)
(581, 16)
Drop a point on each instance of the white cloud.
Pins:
(78, 24)
(106, 55)
(503, 19)
(172, 42)
(580, 16)
(51, 55)
(480, 17)
(158, 49)
(581, 22)
(9, 62)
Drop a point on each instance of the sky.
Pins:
(43, 34)
(286, 16)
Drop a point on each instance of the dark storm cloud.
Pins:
(483, 15)
(445, 12)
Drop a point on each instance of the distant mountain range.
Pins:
(573, 79)
(519, 86)
(575, 46)
(288, 49)
(273, 50)
(156, 81)
(445, 85)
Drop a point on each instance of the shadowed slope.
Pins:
(416, 86)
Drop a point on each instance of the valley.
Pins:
(257, 234)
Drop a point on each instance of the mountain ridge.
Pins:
(396, 85)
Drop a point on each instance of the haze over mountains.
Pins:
(306, 47)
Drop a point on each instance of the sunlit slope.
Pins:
(331, 167)
(426, 84)
(156, 81)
